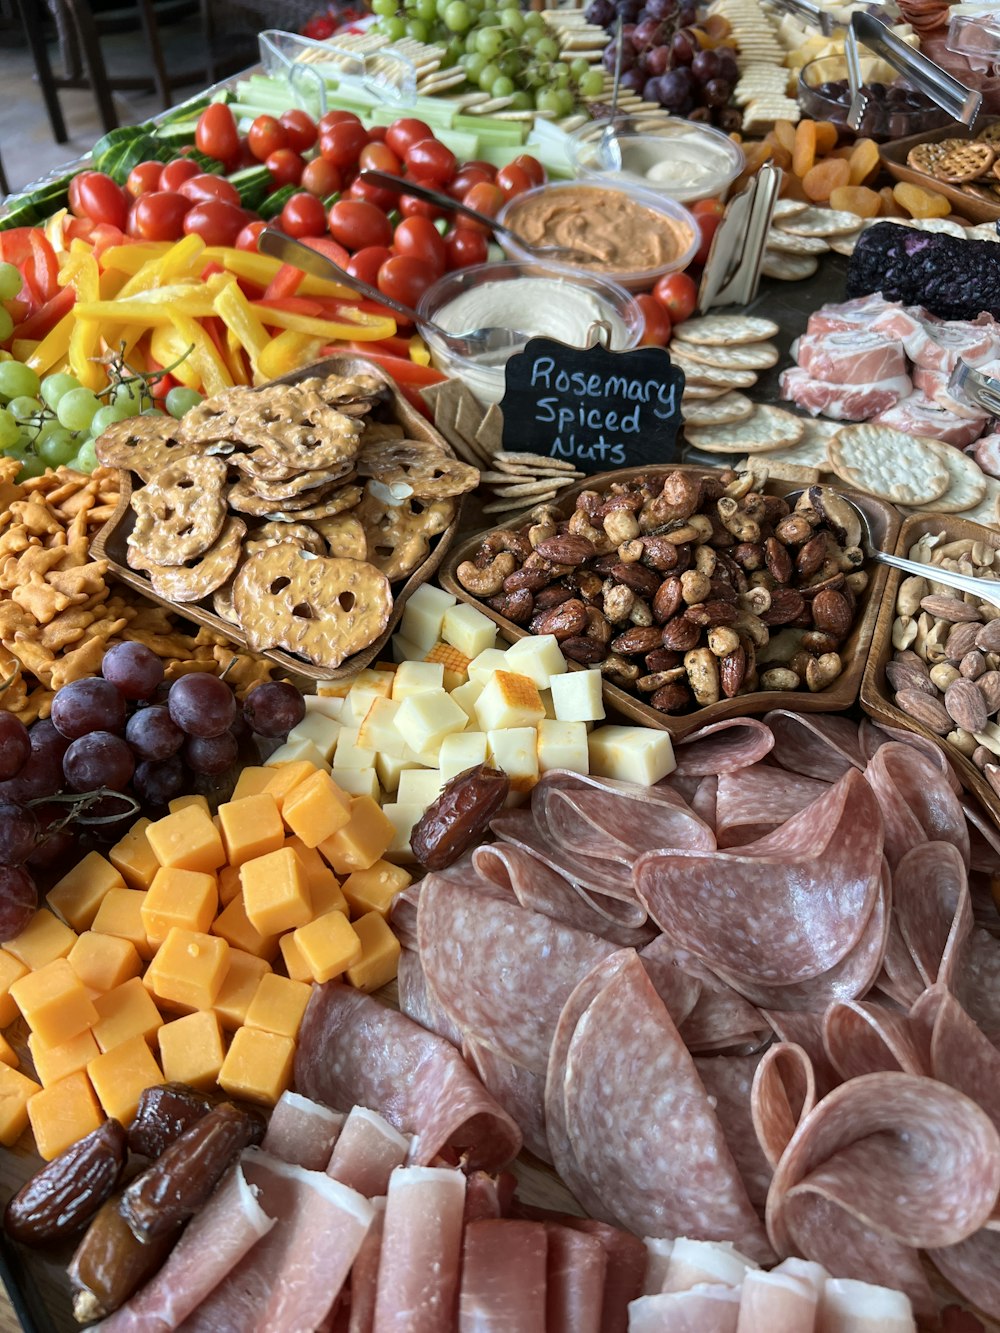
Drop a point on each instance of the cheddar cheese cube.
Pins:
(251, 827)
(537, 656)
(318, 873)
(380, 951)
(455, 664)
(373, 890)
(121, 914)
(275, 892)
(301, 751)
(187, 898)
(286, 777)
(466, 696)
(258, 1066)
(294, 959)
(578, 696)
(631, 754)
(189, 802)
(11, 970)
(192, 1050)
(234, 926)
(188, 840)
(378, 730)
(189, 969)
(251, 782)
(124, 1013)
(329, 897)
(16, 1091)
(278, 1005)
(120, 1077)
(420, 786)
(359, 782)
(425, 719)
(239, 987)
(319, 730)
(361, 841)
(467, 629)
(53, 1063)
(423, 615)
(43, 939)
(8, 1055)
(328, 945)
(62, 1113)
(54, 1002)
(229, 884)
(509, 700)
(563, 745)
(416, 678)
(490, 660)
(133, 857)
(78, 895)
(350, 754)
(316, 810)
(459, 752)
(103, 962)
(515, 750)
(402, 818)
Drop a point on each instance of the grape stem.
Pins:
(6, 684)
(80, 803)
(120, 372)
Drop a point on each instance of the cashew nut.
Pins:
(618, 602)
(581, 526)
(736, 521)
(757, 600)
(753, 627)
(641, 614)
(505, 540)
(705, 560)
(779, 678)
(723, 640)
(695, 587)
(823, 671)
(702, 668)
(618, 670)
(621, 525)
(963, 741)
(489, 581)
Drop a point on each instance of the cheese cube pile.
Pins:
(189, 952)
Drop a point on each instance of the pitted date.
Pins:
(62, 1198)
(459, 817)
(168, 1109)
(111, 1263)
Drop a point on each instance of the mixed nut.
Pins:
(684, 587)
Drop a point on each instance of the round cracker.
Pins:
(967, 487)
(907, 469)
(725, 330)
(744, 356)
(730, 408)
(821, 222)
(788, 243)
(788, 268)
(765, 429)
(697, 373)
(788, 208)
(703, 393)
(987, 511)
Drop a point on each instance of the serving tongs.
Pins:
(961, 103)
(732, 272)
(815, 15)
(979, 388)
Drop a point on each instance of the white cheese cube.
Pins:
(378, 730)
(328, 705)
(468, 629)
(577, 696)
(367, 686)
(455, 664)
(389, 767)
(322, 731)
(563, 745)
(403, 650)
(515, 750)
(359, 782)
(466, 695)
(488, 661)
(425, 719)
(537, 656)
(509, 701)
(351, 755)
(632, 754)
(333, 689)
(416, 677)
(419, 786)
(548, 705)
(301, 749)
(424, 614)
(402, 817)
(461, 751)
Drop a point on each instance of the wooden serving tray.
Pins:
(884, 522)
(110, 542)
(894, 156)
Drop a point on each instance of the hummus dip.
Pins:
(616, 233)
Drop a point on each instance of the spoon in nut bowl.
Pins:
(468, 343)
(851, 525)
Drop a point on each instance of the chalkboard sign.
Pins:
(594, 408)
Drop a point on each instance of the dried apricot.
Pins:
(856, 199)
(804, 153)
(890, 209)
(756, 155)
(784, 132)
(791, 188)
(826, 136)
(921, 203)
(780, 155)
(820, 181)
(864, 161)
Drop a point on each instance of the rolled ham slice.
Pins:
(353, 1050)
(776, 1303)
(704, 1263)
(574, 1281)
(851, 357)
(421, 1251)
(847, 1306)
(723, 747)
(367, 1152)
(503, 1277)
(302, 1132)
(701, 1310)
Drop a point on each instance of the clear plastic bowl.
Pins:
(894, 110)
(678, 158)
(538, 315)
(596, 202)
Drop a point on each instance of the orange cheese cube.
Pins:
(78, 895)
(124, 1013)
(329, 897)
(278, 1005)
(318, 873)
(103, 962)
(229, 884)
(286, 777)
(374, 889)
(53, 1063)
(329, 945)
(54, 1002)
(294, 959)
(380, 951)
(134, 858)
(187, 803)
(11, 970)
(275, 892)
(189, 969)
(258, 1066)
(192, 1049)
(121, 914)
(235, 927)
(188, 840)
(8, 1055)
(16, 1091)
(43, 939)
(251, 827)
(316, 809)
(362, 841)
(239, 988)
(120, 1077)
(251, 782)
(186, 898)
(62, 1113)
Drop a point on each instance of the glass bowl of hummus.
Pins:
(628, 235)
(532, 298)
(677, 158)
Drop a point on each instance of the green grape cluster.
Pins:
(503, 51)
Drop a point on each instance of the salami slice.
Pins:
(821, 746)
(873, 735)
(728, 1080)
(631, 1128)
(973, 1268)
(931, 903)
(959, 1053)
(806, 1030)
(978, 985)
(520, 1093)
(612, 828)
(755, 800)
(984, 837)
(721, 1018)
(704, 802)
(677, 988)
(781, 1096)
(723, 747)
(864, 1038)
(416, 1002)
(918, 805)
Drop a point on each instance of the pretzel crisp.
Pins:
(179, 512)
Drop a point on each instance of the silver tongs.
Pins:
(961, 103)
(808, 12)
(732, 271)
(980, 389)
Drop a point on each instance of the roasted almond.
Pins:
(832, 613)
(778, 560)
(786, 605)
(988, 638)
(962, 638)
(586, 651)
(988, 685)
(566, 549)
(638, 639)
(902, 676)
(733, 672)
(965, 703)
(637, 577)
(922, 708)
(680, 634)
(563, 621)
(949, 608)
(667, 599)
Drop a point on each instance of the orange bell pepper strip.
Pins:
(47, 316)
(287, 352)
(286, 282)
(294, 305)
(402, 369)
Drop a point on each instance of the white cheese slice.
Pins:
(322, 731)
(563, 745)
(460, 751)
(468, 630)
(538, 657)
(425, 719)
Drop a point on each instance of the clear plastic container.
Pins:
(977, 37)
(556, 305)
(894, 110)
(678, 158)
(634, 235)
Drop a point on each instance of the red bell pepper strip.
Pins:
(416, 399)
(44, 266)
(47, 316)
(15, 245)
(402, 370)
(286, 282)
(295, 305)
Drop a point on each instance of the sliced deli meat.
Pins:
(418, 1274)
(863, 1037)
(973, 1268)
(723, 747)
(851, 401)
(705, 1309)
(752, 801)
(917, 804)
(503, 1277)
(932, 906)
(574, 1280)
(782, 1095)
(851, 356)
(823, 746)
(848, 1306)
(728, 1080)
(520, 1092)
(302, 1132)
(367, 1152)
(776, 1303)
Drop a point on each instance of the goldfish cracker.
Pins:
(820, 181)
(863, 161)
(856, 199)
(826, 137)
(804, 153)
(920, 203)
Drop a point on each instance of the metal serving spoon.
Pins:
(403, 185)
(609, 146)
(471, 342)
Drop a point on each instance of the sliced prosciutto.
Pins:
(364, 1275)
(353, 1050)
(302, 1132)
(503, 1277)
(421, 1251)
(723, 747)
(776, 1303)
(847, 1306)
(700, 1310)
(919, 415)
(851, 357)
(701, 1262)
(367, 1152)
(842, 402)
(574, 1280)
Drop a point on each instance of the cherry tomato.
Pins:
(304, 215)
(101, 200)
(247, 239)
(177, 172)
(356, 224)
(403, 133)
(75, 207)
(143, 178)
(244, 157)
(419, 238)
(484, 198)
(321, 178)
(366, 262)
(342, 143)
(216, 133)
(379, 157)
(466, 247)
(207, 186)
(300, 128)
(513, 180)
(678, 294)
(465, 178)
(532, 168)
(217, 223)
(265, 136)
(337, 118)
(710, 207)
(385, 200)
(656, 323)
(479, 164)
(159, 216)
(377, 133)
(412, 207)
(431, 162)
(405, 278)
(708, 225)
(286, 167)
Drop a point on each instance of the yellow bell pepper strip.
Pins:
(237, 359)
(169, 347)
(156, 306)
(419, 351)
(111, 284)
(261, 270)
(54, 346)
(241, 320)
(183, 260)
(84, 341)
(54, 231)
(368, 327)
(285, 353)
(131, 258)
(206, 359)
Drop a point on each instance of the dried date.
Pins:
(61, 1199)
(459, 817)
(168, 1109)
(111, 1263)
